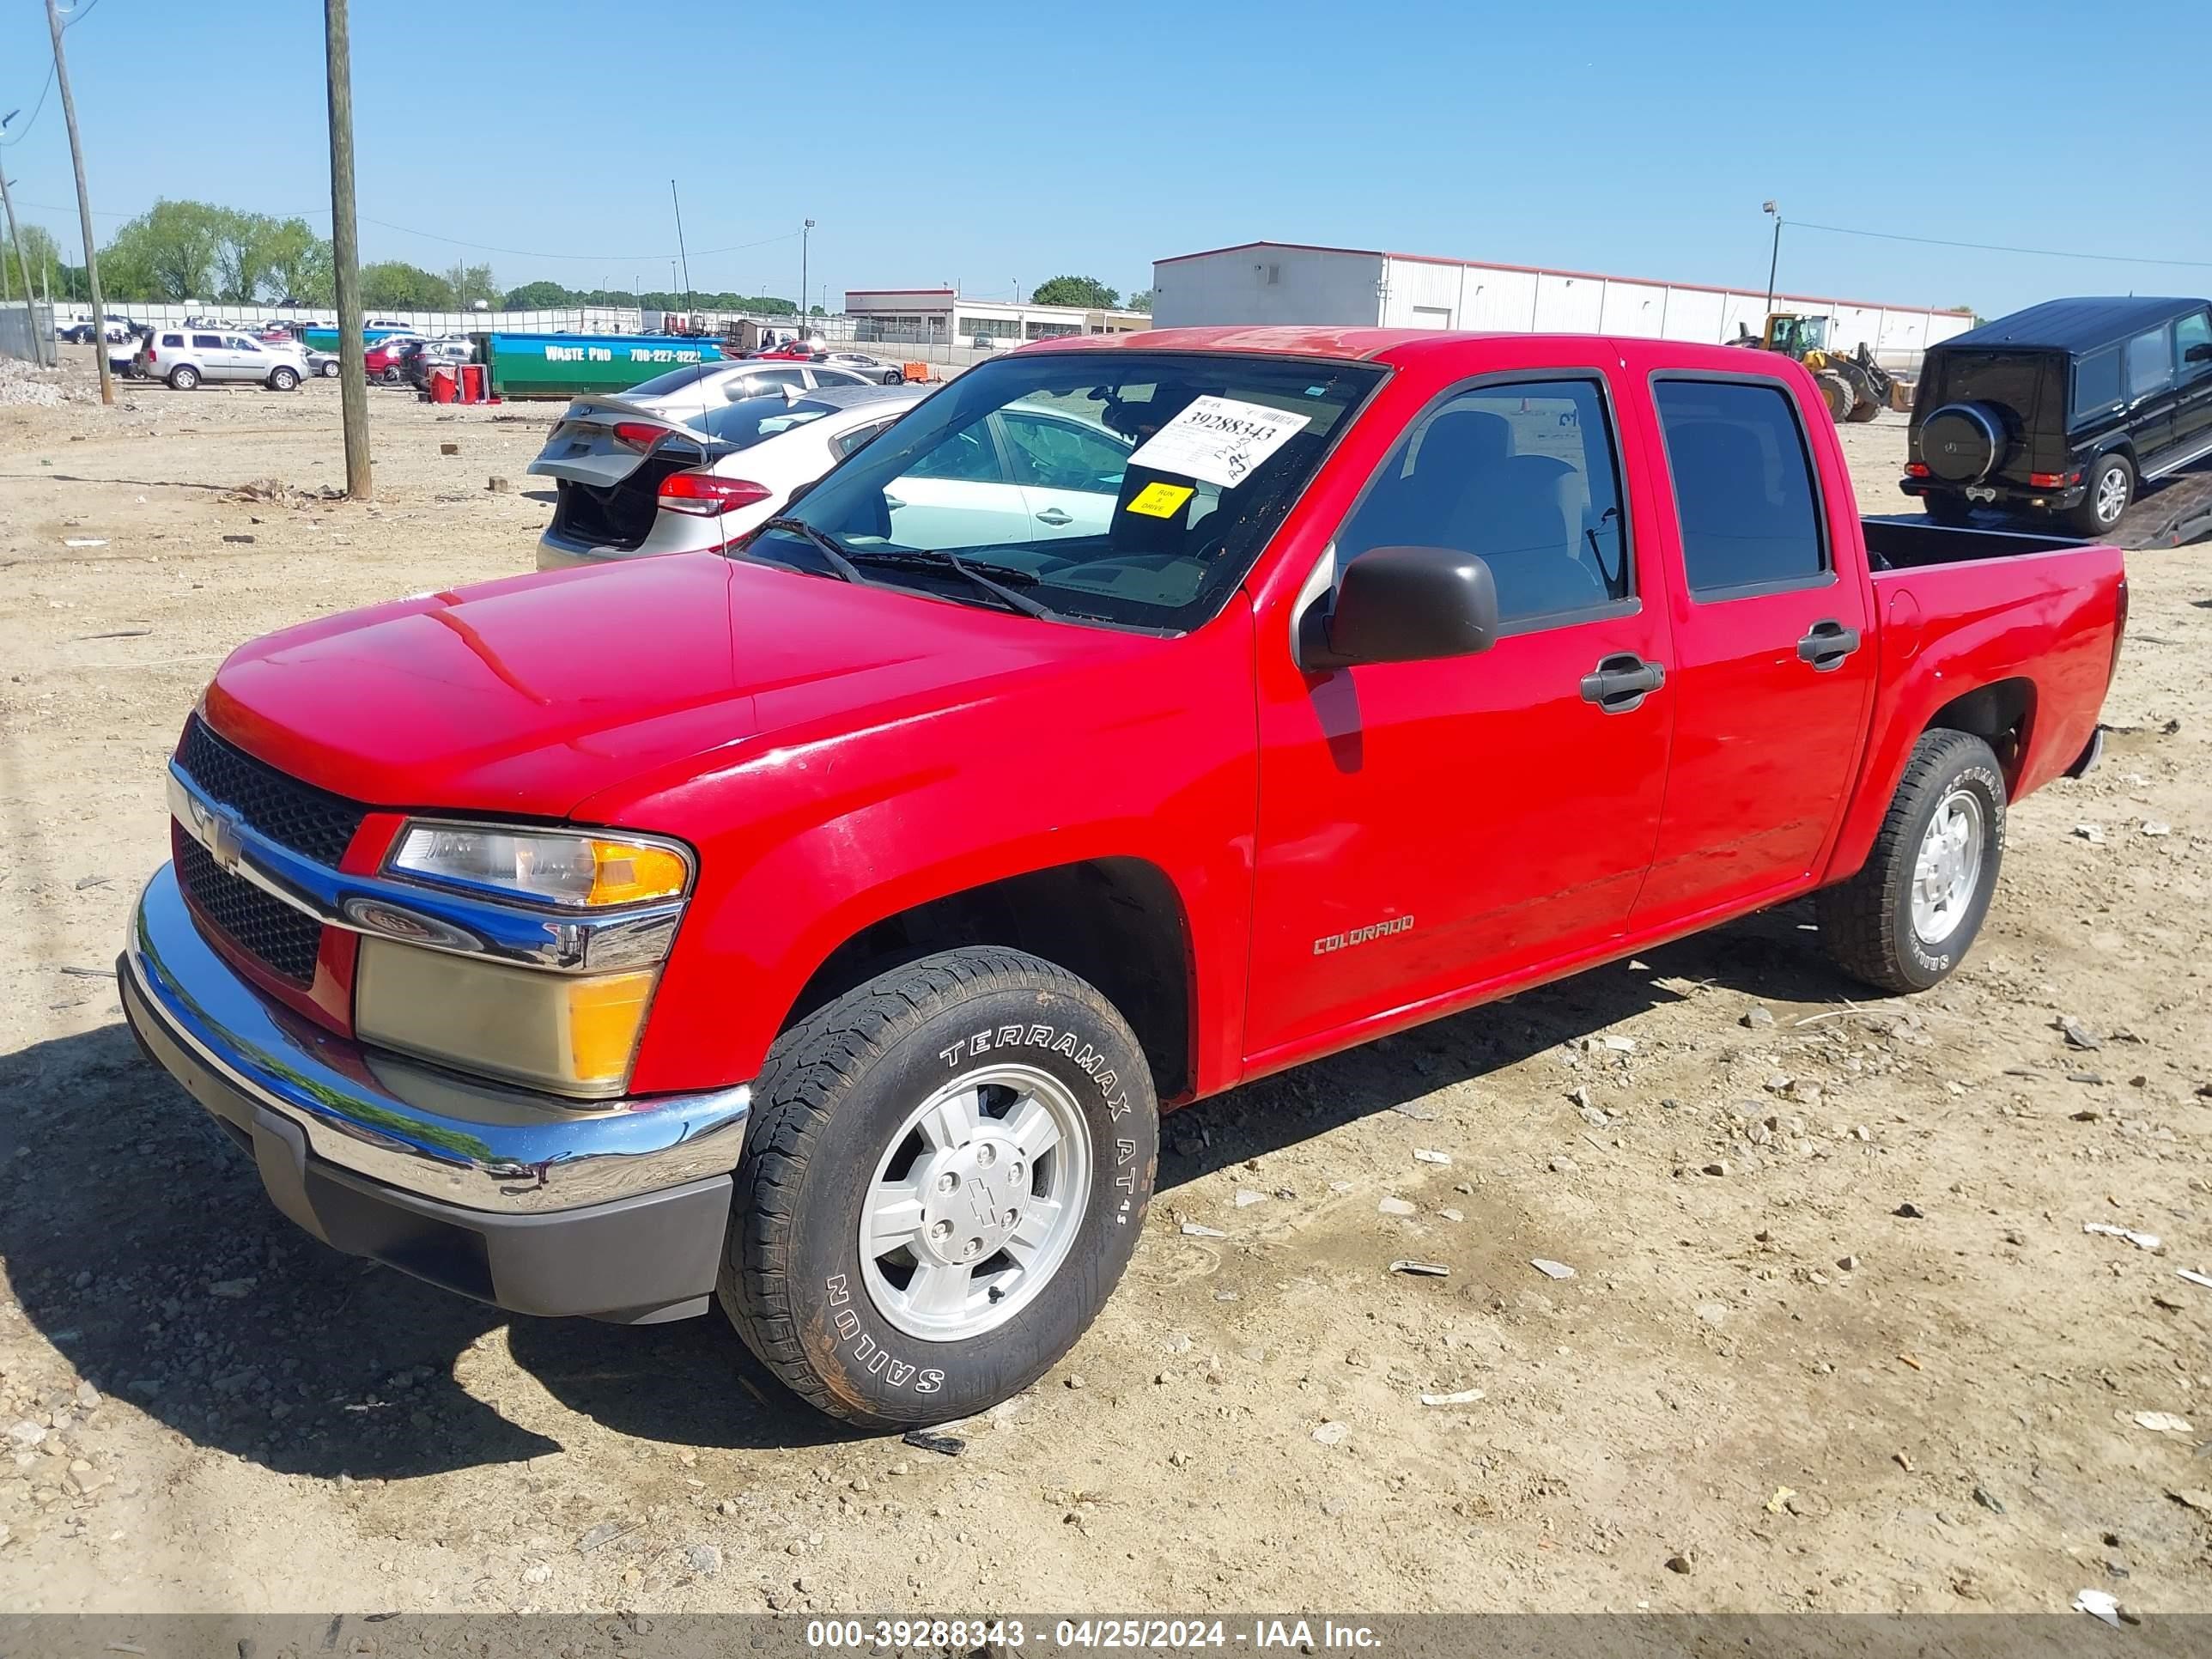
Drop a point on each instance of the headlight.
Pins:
(553, 866)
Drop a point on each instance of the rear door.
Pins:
(210, 357)
(961, 495)
(1774, 664)
(2192, 402)
(1069, 472)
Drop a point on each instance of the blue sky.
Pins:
(1022, 141)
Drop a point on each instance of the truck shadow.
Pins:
(136, 1240)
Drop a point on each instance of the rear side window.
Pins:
(2150, 361)
(845, 442)
(1743, 487)
(173, 339)
(1522, 475)
(2097, 381)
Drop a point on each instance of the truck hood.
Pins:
(530, 695)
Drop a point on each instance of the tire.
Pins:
(1873, 925)
(836, 1116)
(1836, 393)
(1955, 511)
(1962, 443)
(283, 379)
(392, 377)
(2111, 491)
(894, 379)
(184, 377)
(330, 371)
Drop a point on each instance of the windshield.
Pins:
(745, 424)
(1126, 487)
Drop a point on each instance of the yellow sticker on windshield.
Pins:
(1160, 500)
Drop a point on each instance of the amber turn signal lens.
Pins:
(605, 1015)
(624, 872)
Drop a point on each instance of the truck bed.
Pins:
(1909, 541)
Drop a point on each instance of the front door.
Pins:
(2147, 362)
(1427, 828)
(2192, 402)
(1775, 658)
(959, 496)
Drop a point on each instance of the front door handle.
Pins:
(1054, 515)
(1620, 683)
(1826, 645)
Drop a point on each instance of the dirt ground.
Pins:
(1776, 1387)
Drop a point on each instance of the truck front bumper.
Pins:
(617, 1210)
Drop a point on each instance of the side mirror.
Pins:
(2198, 354)
(1402, 605)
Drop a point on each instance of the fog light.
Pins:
(569, 1034)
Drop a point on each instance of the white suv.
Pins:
(185, 356)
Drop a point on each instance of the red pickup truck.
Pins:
(821, 926)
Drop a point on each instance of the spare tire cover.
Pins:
(1962, 443)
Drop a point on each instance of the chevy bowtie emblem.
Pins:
(224, 843)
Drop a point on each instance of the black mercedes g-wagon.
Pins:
(2064, 410)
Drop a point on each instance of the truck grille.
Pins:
(312, 823)
(267, 929)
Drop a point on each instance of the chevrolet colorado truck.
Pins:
(820, 926)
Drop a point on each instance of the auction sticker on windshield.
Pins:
(1219, 440)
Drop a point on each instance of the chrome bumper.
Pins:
(422, 1132)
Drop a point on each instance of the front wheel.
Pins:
(945, 1175)
(1906, 920)
(2111, 488)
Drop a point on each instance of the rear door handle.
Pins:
(1054, 515)
(1826, 645)
(1620, 683)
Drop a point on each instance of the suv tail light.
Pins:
(2054, 480)
(640, 435)
(1916, 469)
(703, 496)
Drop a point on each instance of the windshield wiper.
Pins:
(986, 577)
(841, 562)
(845, 562)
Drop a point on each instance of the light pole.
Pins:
(1775, 259)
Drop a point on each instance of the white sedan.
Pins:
(633, 482)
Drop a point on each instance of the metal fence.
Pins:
(26, 333)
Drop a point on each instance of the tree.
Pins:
(300, 268)
(471, 283)
(40, 251)
(538, 296)
(1141, 301)
(395, 285)
(242, 264)
(168, 252)
(1086, 291)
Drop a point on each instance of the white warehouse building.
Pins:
(944, 316)
(1294, 283)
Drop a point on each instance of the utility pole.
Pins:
(1774, 262)
(15, 236)
(805, 231)
(84, 210)
(345, 252)
(680, 249)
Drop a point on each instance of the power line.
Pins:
(45, 88)
(1993, 248)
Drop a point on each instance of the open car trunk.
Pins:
(608, 456)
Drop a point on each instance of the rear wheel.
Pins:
(945, 1177)
(329, 370)
(1906, 920)
(283, 379)
(1954, 511)
(184, 377)
(2111, 487)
